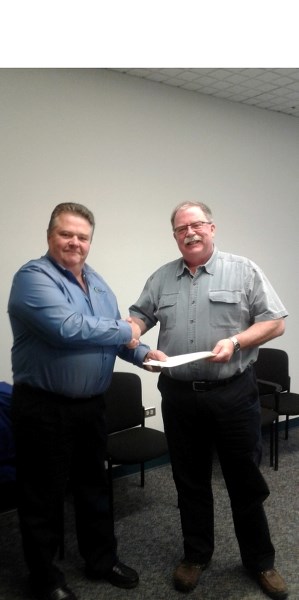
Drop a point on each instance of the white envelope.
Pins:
(180, 359)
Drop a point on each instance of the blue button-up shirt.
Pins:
(66, 340)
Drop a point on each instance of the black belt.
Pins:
(206, 385)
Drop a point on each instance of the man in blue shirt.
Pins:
(67, 333)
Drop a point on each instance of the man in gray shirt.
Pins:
(212, 300)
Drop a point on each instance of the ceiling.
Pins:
(270, 89)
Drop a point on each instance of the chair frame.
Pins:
(267, 388)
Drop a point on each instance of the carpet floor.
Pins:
(148, 530)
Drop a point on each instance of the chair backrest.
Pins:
(273, 365)
(123, 399)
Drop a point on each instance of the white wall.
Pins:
(131, 150)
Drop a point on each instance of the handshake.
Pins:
(136, 333)
(137, 330)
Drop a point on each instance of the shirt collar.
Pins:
(209, 266)
(63, 269)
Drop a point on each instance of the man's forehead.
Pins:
(72, 220)
(189, 210)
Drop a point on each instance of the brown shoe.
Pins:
(273, 584)
(187, 574)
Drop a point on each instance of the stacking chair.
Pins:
(273, 365)
(129, 441)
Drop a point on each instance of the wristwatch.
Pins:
(237, 346)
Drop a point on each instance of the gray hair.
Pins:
(205, 209)
(74, 208)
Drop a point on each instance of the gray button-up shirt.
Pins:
(224, 297)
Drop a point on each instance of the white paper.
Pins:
(180, 359)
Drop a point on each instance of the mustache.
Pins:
(192, 238)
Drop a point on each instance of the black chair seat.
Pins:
(288, 404)
(142, 442)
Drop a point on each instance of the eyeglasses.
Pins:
(196, 226)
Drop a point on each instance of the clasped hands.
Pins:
(136, 333)
(152, 354)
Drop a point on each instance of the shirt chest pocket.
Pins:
(167, 310)
(225, 308)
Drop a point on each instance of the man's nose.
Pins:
(189, 227)
(74, 240)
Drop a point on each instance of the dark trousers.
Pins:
(227, 419)
(61, 441)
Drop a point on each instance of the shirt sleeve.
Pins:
(137, 356)
(264, 302)
(145, 307)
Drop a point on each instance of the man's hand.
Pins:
(154, 355)
(224, 350)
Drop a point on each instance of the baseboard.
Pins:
(293, 422)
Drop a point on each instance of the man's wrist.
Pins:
(236, 343)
